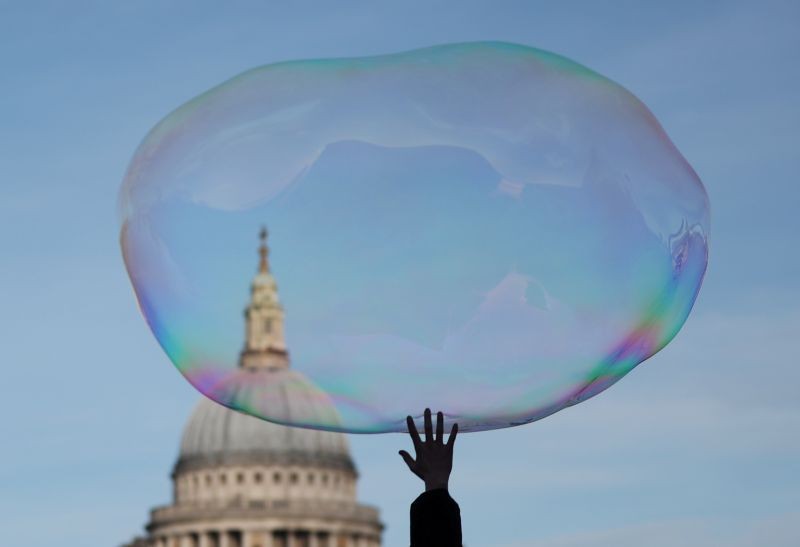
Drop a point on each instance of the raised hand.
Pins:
(434, 458)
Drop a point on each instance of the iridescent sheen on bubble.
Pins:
(486, 228)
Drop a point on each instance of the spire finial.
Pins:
(263, 251)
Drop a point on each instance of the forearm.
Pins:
(435, 520)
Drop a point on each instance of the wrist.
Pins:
(435, 484)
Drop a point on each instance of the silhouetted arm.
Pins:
(435, 520)
(435, 516)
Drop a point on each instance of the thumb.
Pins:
(408, 459)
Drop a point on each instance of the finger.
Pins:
(428, 426)
(453, 434)
(439, 427)
(409, 461)
(412, 430)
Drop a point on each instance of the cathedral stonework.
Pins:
(244, 482)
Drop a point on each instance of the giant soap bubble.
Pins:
(487, 229)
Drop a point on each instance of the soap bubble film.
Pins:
(486, 229)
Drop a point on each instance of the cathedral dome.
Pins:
(215, 435)
(244, 482)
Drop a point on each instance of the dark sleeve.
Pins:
(435, 520)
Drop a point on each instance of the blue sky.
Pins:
(697, 447)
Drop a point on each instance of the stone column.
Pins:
(223, 538)
(312, 539)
